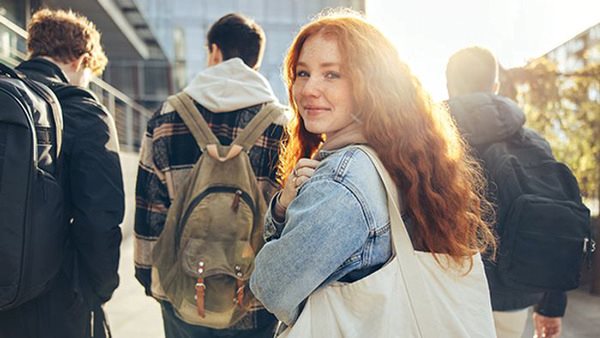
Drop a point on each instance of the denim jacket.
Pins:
(336, 229)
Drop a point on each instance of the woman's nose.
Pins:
(312, 87)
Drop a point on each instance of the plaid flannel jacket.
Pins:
(168, 153)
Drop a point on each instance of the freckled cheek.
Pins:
(297, 92)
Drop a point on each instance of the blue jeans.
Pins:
(176, 328)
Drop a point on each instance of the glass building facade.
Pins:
(180, 26)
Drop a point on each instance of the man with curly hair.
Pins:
(65, 52)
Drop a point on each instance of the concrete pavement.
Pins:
(133, 315)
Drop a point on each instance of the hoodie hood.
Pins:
(486, 118)
(229, 86)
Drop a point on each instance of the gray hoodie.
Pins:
(229, 86)
(486, 118)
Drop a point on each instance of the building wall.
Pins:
(15, 10)
(147, 81)
(12, 46)
(192, 19)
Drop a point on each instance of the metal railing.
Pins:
(130, 117)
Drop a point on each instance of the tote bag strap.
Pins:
(412, 274)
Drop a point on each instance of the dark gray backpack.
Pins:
(543, 226)
(33, 230)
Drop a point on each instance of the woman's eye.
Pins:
(332, 75)
(302, 73)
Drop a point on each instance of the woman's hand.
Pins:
(302, 172)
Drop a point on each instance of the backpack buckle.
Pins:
(240, 294)
(589, 245)
(200, 287)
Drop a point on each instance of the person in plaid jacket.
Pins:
(228, 94)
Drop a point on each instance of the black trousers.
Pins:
(58, 313)
(176, 328)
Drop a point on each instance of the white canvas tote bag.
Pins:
(411, 296)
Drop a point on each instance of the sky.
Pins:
(428, 32)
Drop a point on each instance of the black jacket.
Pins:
(483, 119)
(93, 183)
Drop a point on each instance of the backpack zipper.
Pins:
(235, 204)
(238, 194)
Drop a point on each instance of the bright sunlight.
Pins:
(427, 32)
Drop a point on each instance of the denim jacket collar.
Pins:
(323, 154)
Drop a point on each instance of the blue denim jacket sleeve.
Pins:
(324, 226)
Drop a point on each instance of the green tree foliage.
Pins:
(565, 109)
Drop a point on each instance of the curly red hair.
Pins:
(441, 186)
(65, 36)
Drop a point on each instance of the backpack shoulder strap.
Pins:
(6, 70)
(191, 116)
(48, 96)
(266, 116)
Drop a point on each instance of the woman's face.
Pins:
(322, 90)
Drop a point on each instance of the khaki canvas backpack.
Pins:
(214, 227)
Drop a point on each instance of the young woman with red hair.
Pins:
(330, 225)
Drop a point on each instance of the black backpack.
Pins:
(33, 230)
(543, 227)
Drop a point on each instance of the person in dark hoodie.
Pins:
(228, 94)
(483, 118)
(65, 52)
